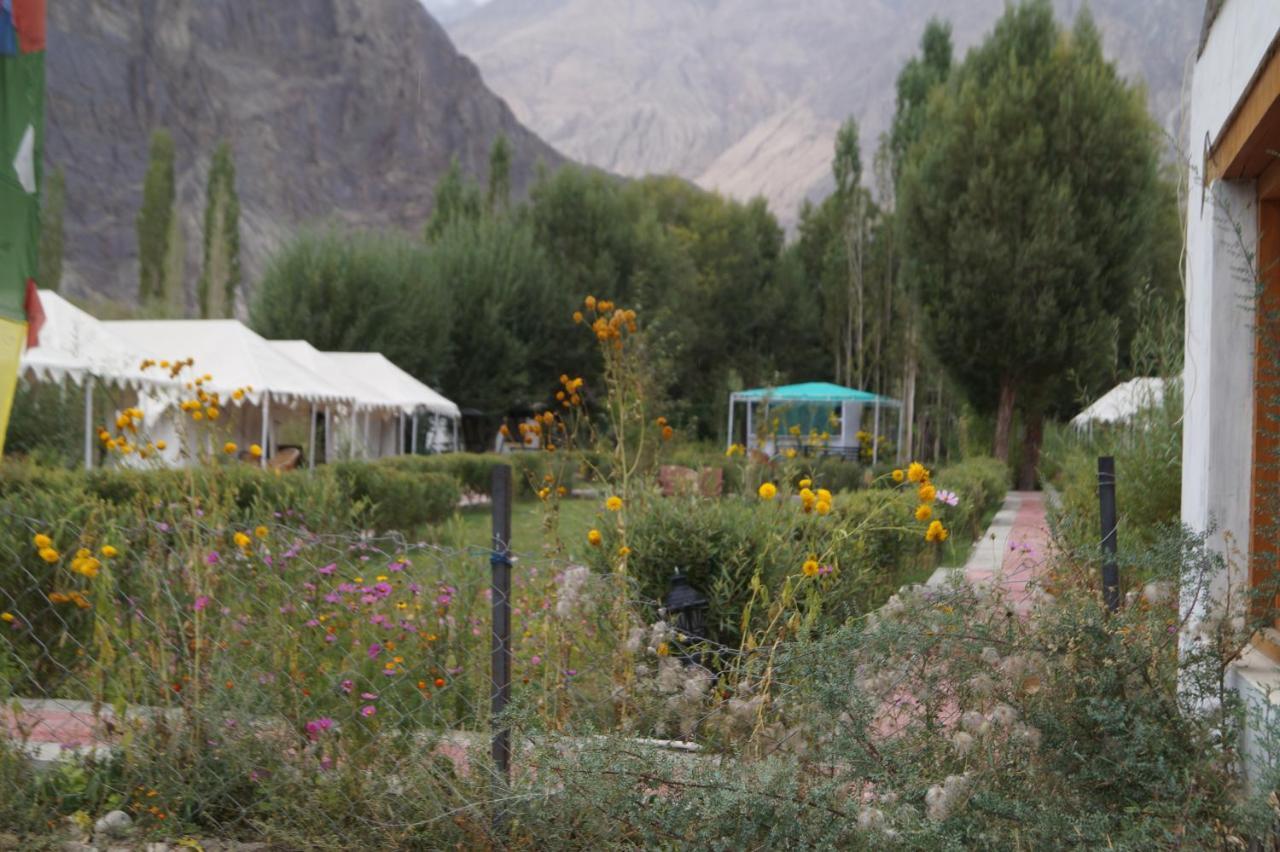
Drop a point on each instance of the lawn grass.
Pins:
(473, 526)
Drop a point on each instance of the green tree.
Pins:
(499, 174)
(918, 79)
(52, 205)
(154, 217)
(457, 197)
(1027, 206)
(172, 300)
(220, 272)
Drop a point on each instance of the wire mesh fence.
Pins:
(227, 677)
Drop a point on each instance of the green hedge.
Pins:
(720, 543)
(474, 471)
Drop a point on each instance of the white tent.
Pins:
(410, 396)
(1122, 403)
(234, 358)
(75, 345)
(365, 397)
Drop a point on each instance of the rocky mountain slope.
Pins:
(344, 111)
(745, 96)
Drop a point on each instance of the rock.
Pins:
(77, 846)
(159, 847)
(335, 109)
(113, 824)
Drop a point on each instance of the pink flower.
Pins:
(316, 727)
(535, 660)
(328, 569)
(213, 558)
(368, 710)
(374, 650)
(201, 602)
(347, 686)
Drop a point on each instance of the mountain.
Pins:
(342, 111)
(745, 96)
(450, 11)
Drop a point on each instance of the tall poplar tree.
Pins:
(220, 273)
(154, 218)
(52, 242)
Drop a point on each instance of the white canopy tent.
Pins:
(234, 357)
(76, 346)
(365, 398)
(1122, 403)
(411, 398)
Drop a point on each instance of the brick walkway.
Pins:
(1014, 552)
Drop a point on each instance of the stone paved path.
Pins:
(1014, 552)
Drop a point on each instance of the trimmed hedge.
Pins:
(474, 471)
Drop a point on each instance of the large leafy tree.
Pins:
(1027, 206)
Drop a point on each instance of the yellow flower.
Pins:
(577, 317)
(924, 512)
(824, 495)
(624, 551)
(229, 447)
(805, 483)
(663, 649)
(160, 445)
(810, 567)
(255, 450)
(86, 566)
(242, 541)
(916, 472)
(806, 495)
(212, 413)
(768, 491)
(594, 538)
(41, 541)
(613, 504)
(260, 531)
(6, 617)
(197, 415)
(544, 493)
(899, 475)
(794, 430)
(238, 393)
(927, 493)
(790, 452)
(590, 303)
(936, 532)
(48, 554)
(83, 553)
(108, 551)
(822, 507)
(668, 433)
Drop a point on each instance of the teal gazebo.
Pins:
(781, 417)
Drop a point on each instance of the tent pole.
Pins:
(368, 451)
(328, 433)
(311, 446)
(749, 430)
(266, 419)
(88, 422)
(413, 438)
(456, 446)
(399, 433)
(875, 439)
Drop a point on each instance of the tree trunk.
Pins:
(937, 434)
(1004, 419)
(1031, 451)
(909, 392)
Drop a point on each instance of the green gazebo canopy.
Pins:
(824, 392)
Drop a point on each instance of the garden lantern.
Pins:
(686, 608)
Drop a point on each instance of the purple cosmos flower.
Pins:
(535, 660)
(368, 710)
(369, 696)
(374, 650)
(327, 569)
(311, 622)
(316, 727)
(213, 558)
(201, 602)
(347, 686)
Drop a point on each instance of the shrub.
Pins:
(395, 499)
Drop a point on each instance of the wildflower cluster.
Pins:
(84, 563)
(608, 322)
(126, 440)
(918, 475)
(569, 395)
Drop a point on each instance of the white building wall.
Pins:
(1222, 234)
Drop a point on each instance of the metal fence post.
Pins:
(500, 661)
(1107, 512)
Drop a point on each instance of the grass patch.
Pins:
(473, 526)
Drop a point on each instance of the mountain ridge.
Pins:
(745, 96)
(337, 111)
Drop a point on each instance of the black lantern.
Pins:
(687, 609)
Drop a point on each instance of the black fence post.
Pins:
(500, 658)
(1107, 512)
